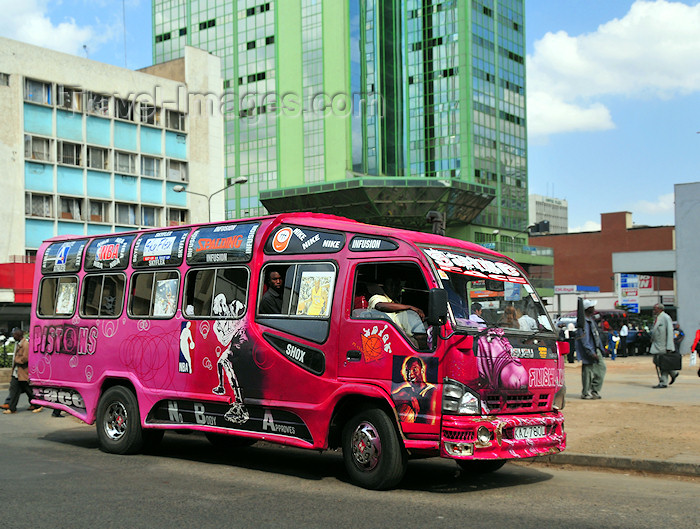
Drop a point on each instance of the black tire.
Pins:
(480, 466)
(374, 456)
(118, 422)
(225, 441)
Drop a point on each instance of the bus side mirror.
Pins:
(437, 307)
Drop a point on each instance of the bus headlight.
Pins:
(459, 399)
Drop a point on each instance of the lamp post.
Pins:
(181, 189)
(512, 237)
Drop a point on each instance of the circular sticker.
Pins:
(281, 239)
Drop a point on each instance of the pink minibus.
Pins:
(307, 330)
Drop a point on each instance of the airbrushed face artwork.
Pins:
(413, 389)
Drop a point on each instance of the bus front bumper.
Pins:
(502, 436)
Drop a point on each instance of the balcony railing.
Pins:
(509, 248)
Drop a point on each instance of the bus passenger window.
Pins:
(216, 293)
(102, 296)
(271, 301)
(396, 292)
(154, 294)
(57, 296)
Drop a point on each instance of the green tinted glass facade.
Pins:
(319, 91)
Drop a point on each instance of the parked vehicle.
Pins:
(374, 348)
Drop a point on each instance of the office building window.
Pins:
(36, 205)
(150, 114)
(97, 158)
(126, 214)
(150, 216)
(174, 120)
(124, 162)
(177, 217)
(70, 153)
(177, 170)
(97, 104)
(71, 208)
(124, 109)
(99, 211)
(36, 148)
(70, 98)
(37, 91)
(150, 166)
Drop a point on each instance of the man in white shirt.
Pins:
(477, 310)
(407, 317)
(624, 331)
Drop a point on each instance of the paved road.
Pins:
(53, 475)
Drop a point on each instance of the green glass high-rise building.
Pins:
(380, 110)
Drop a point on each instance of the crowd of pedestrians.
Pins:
(602, 338)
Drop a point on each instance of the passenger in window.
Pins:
(407, 317)
(526, 322)
(271, 302)
(509, 318)
(477, 311)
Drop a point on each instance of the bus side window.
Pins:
(102, 296)
(396, 292)
(154, 294)
(307, 299)
(57, 296)
(216, 293)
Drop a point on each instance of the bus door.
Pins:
(384, 340)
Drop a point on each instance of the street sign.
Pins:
(632, 307)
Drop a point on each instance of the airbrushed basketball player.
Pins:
(414, 398)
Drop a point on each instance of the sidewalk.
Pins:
(633, 427)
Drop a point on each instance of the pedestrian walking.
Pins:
(19, 383)
(678, 336)
(624, 332)
(589, 348)
(662, 343)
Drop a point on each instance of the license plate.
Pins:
(528, 432)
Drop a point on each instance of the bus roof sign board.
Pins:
(165, 248)
(63, 257)
(111, 253)
(228, 243)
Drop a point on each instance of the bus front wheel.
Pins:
(372, 452)
(118, 422)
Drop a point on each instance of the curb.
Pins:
(654, 466)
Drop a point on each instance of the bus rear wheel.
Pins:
(373, 455)
(118, 422)
(480, 466)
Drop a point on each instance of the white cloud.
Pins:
(653, 51)
(663, 205)
(28, 21)
(548, 114)
(589, 225)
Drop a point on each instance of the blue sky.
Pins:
(613, 90)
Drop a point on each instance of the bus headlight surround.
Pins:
(458, 399)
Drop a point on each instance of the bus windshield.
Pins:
(487, 292)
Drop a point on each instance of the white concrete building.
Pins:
(555, 210)
(89, 148)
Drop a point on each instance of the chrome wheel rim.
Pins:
(366, 447)
(116, 421)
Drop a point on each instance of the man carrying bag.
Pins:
(666, 360)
